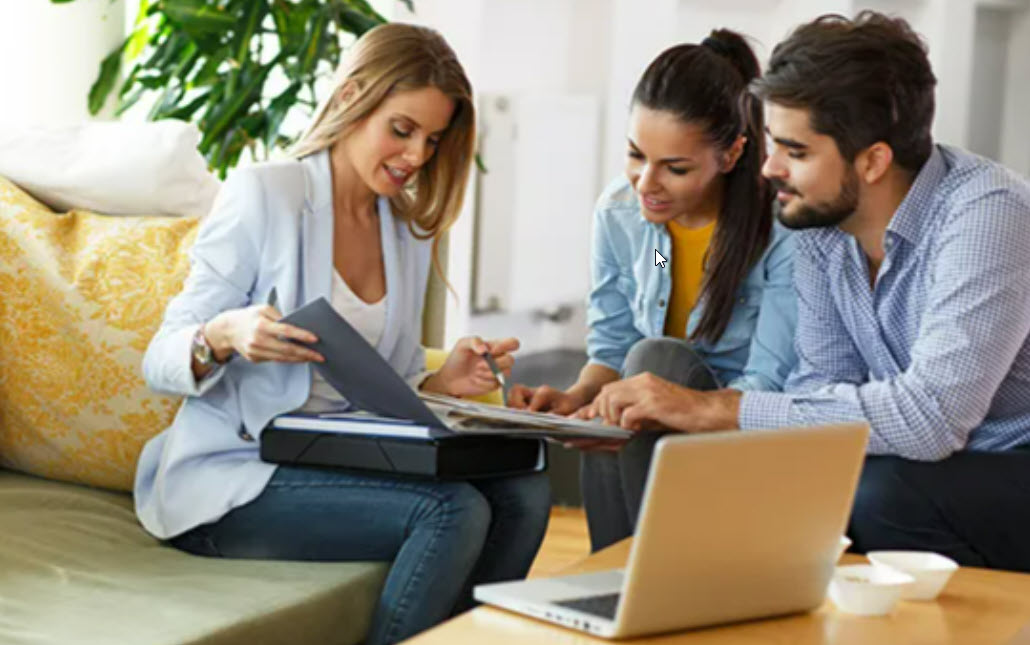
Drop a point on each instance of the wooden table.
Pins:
(978, 606)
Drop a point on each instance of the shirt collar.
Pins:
(909, 220)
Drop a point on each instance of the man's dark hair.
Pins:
(863, 80)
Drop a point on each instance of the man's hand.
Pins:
(647, 402)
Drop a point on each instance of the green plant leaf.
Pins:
(291, 24)
(367, 9)
(354, 21)
(138, 40)
(198, 18)
(125, 103)
(277, 111)
(167, 103)
(186, 112)
(167, 45)
(314, 44)
(106, 79)
(254, 13)
(235, 105)
(208, 72)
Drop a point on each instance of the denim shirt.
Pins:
(629, 298)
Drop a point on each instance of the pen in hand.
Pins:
(498, 374)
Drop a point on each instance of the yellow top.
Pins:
(689, 246)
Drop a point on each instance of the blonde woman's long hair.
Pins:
(397, 57)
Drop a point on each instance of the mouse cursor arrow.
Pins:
(659, 259)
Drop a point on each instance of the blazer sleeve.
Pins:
(224, 264)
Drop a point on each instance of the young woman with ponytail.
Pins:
(720, 313)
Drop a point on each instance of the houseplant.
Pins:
(236, 68)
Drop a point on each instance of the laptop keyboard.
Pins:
(603, 606)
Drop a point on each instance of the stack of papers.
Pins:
(462, 415)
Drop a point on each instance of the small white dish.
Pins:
(930, 570)
(867, 590)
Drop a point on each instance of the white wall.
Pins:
(987, 90)
(50, 54)
(1015, 131)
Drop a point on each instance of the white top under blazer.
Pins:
(367, 318)
(271, 226)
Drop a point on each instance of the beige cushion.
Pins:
(75, 567)
(113, 167)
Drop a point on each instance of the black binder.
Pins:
(375, 387)
(443, 458)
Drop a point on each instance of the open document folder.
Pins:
(357, 371)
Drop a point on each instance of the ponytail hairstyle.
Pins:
(397, 57)
(707, 85)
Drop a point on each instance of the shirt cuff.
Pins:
(764, 410)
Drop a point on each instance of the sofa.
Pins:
(76, 567)
(80, 295)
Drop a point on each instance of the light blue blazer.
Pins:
(271, 226)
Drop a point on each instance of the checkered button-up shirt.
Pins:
(936, 356)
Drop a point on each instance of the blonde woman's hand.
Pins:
(466, 372)
(256, 334)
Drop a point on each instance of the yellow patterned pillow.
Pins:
(81, 295)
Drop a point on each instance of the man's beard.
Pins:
(821, 214)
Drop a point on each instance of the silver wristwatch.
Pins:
(201, 349)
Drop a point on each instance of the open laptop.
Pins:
(734, 526)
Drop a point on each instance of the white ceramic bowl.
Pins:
(930, 570)
(867, 590)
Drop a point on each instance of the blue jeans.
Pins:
(442, 537)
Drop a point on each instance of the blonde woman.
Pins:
(355, 218)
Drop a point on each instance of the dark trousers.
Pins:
(613, 483)
(973, 507)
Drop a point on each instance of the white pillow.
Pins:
(111, 167)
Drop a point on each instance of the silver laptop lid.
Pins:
(744, 525)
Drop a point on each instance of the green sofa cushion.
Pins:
(76, 567)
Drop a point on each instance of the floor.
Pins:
(565, 542)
